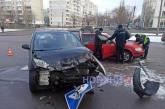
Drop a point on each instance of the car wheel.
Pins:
(33, 84)
(127, 56)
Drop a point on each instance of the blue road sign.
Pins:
(74, 97)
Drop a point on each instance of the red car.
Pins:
(132, 49)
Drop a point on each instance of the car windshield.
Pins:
(55, 41)
(76, 33)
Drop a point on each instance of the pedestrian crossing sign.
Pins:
(75, 96)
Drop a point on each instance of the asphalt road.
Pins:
(15, 94)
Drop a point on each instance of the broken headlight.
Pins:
(41, 63)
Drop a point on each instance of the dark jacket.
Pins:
(97, 39)
(139, 40)
(2, 27)
(121, 36)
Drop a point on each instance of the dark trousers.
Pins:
(2, 30)
(146, 48)
(98, 51)
(120, 53)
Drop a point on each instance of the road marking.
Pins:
(25, 68)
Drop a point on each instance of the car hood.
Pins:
(132, 44)
(60, 59)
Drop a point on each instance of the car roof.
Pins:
(50, 30)
(106, 34)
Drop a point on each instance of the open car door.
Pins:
(88, 41)
(108, 47)
(108, 50)
(90, 45)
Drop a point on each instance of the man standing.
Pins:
(2, 28)
(139, 39)
(121, 36)
(146, 43)
(98, 43)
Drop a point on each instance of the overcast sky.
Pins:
(104, 5)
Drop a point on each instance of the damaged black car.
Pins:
(57, 57)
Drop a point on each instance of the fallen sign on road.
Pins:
(148, 88)
(75, 96)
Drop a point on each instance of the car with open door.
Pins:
(57, 57)
(132, 49)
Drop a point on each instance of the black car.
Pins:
(58, 57)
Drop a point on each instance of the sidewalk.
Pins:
(10, 30)
(152, 39)
(16, 32)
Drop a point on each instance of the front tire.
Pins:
(33, 81)
(127, 56)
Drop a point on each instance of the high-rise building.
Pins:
(70, 12)
(1, 10)
(37, 11)
(150, 13)
(22, 11)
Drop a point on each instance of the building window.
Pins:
(162, 24)
(163, 13)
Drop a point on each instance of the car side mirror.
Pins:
(26, 46)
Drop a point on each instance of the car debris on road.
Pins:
(146, 87)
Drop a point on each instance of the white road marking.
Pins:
(25, 68)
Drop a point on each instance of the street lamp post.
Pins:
(62, 19)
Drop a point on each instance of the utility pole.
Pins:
(134, 9)
(62, 19)
(158, 26)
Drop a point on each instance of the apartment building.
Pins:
(22, 11)
(150, 13)
(37, 11)
(70, 12)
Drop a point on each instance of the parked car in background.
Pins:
(132, 49)
(57, 57)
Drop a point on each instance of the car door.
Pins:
(108, 48)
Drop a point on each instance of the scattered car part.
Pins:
(74, 97)
(148, 88)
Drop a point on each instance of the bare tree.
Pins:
(2, 15)
(27, 15)
(100, 20)
(73, 19)
(148, 13)
(90, 20)
(121, 14)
